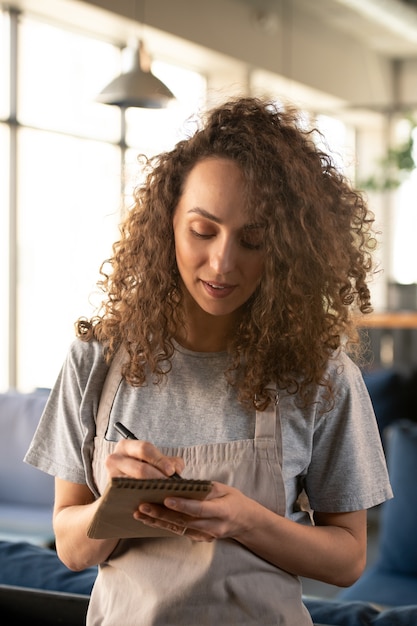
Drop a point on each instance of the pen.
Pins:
(127, 434)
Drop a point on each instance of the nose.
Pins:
(223, 256)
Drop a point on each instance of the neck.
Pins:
(202, 340)
(204, 332)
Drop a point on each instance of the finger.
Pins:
(178, 526)
(187, 506)
(160, 515)
(122, 465)
(145, 452)
(199, 508)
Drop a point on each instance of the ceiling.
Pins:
(327, 75)
(387, 26)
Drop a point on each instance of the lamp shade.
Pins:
(136, 88)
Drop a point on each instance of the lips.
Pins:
(218, 290)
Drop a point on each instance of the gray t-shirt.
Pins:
(335, 455)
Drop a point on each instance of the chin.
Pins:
(219, 311)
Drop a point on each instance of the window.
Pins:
(68, 214)
(4, 65)
(404, 251)
(60, 74)
(340, 140)
(69, 186)
(4, 253)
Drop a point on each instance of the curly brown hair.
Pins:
(318, 255)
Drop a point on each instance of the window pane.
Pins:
(152, 130)
(4, 65)
(69, 197)
(4, 255)
(61, 74)
(404, 251)
(339, 139)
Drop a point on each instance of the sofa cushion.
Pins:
(392, 580)
(398, 531)
(26, 565)
(26, 494)
(20, 483)
(336, 613)
(384, 587)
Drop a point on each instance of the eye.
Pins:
(251, 246)
(252, 239)
(200, 235)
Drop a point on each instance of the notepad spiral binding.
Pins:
(170, 484)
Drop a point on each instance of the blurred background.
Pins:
(87, 85)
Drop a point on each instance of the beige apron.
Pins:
(178, 582)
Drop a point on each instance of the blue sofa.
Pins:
(26, 494)
(392, 579)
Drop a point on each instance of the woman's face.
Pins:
(219, 251)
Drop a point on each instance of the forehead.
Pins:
(215, 182)
(226, 175)
(215, 169)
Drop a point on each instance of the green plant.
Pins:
(395, 167)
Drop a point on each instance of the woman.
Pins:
(231, 292)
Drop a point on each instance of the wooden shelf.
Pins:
(399, 319)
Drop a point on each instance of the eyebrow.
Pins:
(205, 214)
(217, 220)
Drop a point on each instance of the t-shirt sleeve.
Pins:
(67, 426)
(348, 470)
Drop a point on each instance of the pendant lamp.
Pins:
(137, 87)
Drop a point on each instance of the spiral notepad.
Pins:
(114, 517)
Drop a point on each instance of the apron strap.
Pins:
(111, 384)
(266, 420)
(268, 424)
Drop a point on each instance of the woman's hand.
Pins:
(75, 505)
(141, 459)
(218, 516)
